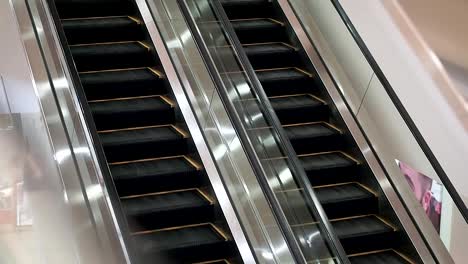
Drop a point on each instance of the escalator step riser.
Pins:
(195, 254)
(133, 119)
(144, 150)
(92, 8)
(317, 144)
(106, 89)
(331, 176)
(280, 59)
(351, 208)
(157, 183)
(112, 60)
(370, 242)
(185, 216)
(123, 30)
(288, 87)
(302, 115)
(247, 9)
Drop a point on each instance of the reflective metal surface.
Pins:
(69, 200)
(361, 141)
(237, 189)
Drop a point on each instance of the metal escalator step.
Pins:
(143, 142)
(259, 30)
(299, 108)
(314, 137)
(364, 233)
(117, 55)
(329, 167)
(271, 55)
(344, 200)
(155, 175)
(189, 243)
(247, 8)
(91, 8)
(131, 112)
(109, 84)
(173, 208)
(102, 29)
(380, 257)
(285, 81)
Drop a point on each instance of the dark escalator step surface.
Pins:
(364, 233)
(284, 81)
(162, 210)
(380, 257)
(132, 112)
(348, 199)
(92, 8)
(247, 8)
(155, 175)
(143, 142)
(314, 137)
(103, 56)
(190, 243)
(257, 30)
(300, 108)
(102, 29)
(273, 54)
(328, 167)
(117, 83)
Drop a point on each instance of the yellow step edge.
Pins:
(132, 128)
(382, 251)
(213, 261)
(200, 192)
(126, 98)
(314, 123)
(145, 160)
(138, 21)
(211, 225)
(103, 43)
(330, 152)
(192, 162)
(331, 185)
(168, 101)
(84, 18)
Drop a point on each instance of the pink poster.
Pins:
(427, 191)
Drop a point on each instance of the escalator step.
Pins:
(102, 29)
(364, 233)
(328, 167)
(131, 112)
(284, 81)
(117, 55)
(344, 200)
(299, 108)
(155, 175)
(92, 8)
(257, 30)
(247, 8)
(380, 257)
(314, 137)
(143, 142)
(188, 243)
(122, 83)
(269, 55)
(161, 210)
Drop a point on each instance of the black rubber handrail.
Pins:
(402, 110)
(280, 135)
(92, 130)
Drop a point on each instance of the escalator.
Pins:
(361, 216)
(162, 188)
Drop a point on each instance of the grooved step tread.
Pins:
(101, 22)
(309, 131)
(326, 161)
(180, 238)
(268, 49)
(360, 227)
(256, 23)
(163, 202)
(130, 105)
(379, 257)
(285, 74)
(341, 193)
(165, 167)
(139, 136)
(294, 101)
